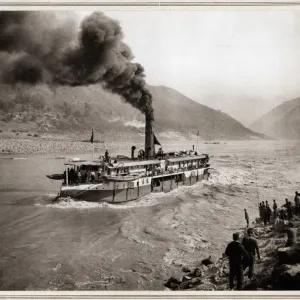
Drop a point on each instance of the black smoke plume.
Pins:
(41, 47)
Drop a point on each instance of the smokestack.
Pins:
(149, 138)
(132, 151)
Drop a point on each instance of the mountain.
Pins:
(282, 122)
(77, 109)
(174, 111)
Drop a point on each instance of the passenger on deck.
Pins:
(68, 171)
(93, 176)
(236, 253)
(106, 155)
(141, 154)
(65, 177)
(78, 176)
(72, 176)
(160, 152)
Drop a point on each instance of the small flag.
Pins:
(198, 133)
(92, 137)
(156, 142)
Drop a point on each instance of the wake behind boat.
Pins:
(120, 178)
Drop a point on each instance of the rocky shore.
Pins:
(278, 268)
(34, 143)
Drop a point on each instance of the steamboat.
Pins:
(120, 179)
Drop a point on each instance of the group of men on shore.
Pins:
(285, 213)
(242, 255)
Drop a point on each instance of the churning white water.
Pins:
(138, 245)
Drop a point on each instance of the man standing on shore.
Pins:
(251, 246)
(237, 254)
(288, 205)
(260, 210)
(246, 217)
(269, 212)
(274, 210)
(297, 203)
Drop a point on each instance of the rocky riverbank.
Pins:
(278, 269)
(16, 143)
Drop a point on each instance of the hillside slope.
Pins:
(174, 111)
(281, 122)
(77, 109)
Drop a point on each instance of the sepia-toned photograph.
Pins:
(150, 150)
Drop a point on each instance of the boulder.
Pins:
(208, 261)
(280, 227)
(196, 281)
(186, 278)
(197, 273)
(186, 269)
(287, 277)
(289, 255)
(206, 286)
(185, 285)
(173, 283)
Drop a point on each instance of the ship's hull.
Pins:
(118, 194)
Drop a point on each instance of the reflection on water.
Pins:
(136, 245)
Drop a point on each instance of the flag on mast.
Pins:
(92, 137)
(156, 142)
(197, 133)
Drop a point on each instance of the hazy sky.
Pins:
(243, 62)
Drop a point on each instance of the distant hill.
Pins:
(282, 122)
(78, 109)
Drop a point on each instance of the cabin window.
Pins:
(143, 181)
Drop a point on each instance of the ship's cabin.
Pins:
(141, 168)
(80, 172)
(187, 163)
